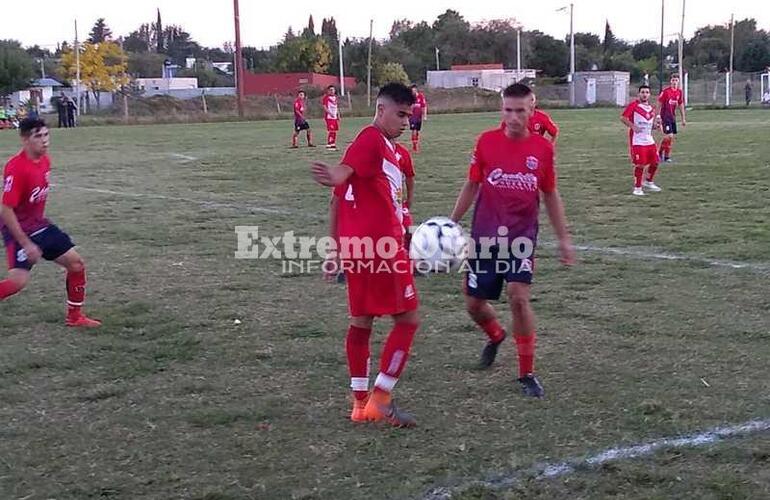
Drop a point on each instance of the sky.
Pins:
(263, 23)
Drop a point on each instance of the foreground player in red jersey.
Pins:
(300, 122)
(541, 123)
(27, 234)
(640, 117)
(671, 99)
(419, 114)
(331, 116)
(511, 169)
(378, 284)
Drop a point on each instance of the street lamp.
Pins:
(571, 53)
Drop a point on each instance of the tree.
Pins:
(179, 44)
(609, 39)
(145, 64)
(645, 49)
(391, 72)
(587, 40)
(102, 67)
(547, 54)
(100, 32)
(756, 55)
(17, 68)
(309, 32)
(159, 34)
(303, 55)
(139, 40)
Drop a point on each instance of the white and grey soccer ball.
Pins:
(438, 245)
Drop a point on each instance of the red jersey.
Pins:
(331, 111)
(669, 100)
(643, 116)
(299, 109)
(375, 188)
(541, 123)
(25, 190)
(511, 172)
(420, 106)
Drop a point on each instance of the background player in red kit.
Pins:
(511, 169)
(370, 168)
(541, 123)
(27, 234)
(671, 99)
(300, 122)
(640, 117)
(331, 116)
(419, 114)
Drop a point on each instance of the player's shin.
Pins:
(357, 350)
(525, 347)
(76, 291)
(395, 353)
(9, 287)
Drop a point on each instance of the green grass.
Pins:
(172, 399)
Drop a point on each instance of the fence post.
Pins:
(205, 106)
(125, 107)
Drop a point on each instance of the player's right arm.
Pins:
(472, 185)
(330, 175)
(628, 113)
(12, 224)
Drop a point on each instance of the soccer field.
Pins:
(662, 328)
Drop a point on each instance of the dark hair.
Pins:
(645, 86)
(397, 92)
(29, 125)
(414, 85)
(517, 90)
(674, 75)
(331, 87)
(300, 91)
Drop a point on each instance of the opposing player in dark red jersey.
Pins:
(671, 99)
(511, 169)
(379, 284)
(300, 122)
(27, 234)
(419, 114)
(541, 123)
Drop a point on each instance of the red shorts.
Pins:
(381, 287)
(333, 125)
(644, 155)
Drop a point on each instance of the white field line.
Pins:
(183, 157)
(620, 251)
(202, 203)
(570, 466)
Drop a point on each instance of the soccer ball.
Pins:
(438, 245)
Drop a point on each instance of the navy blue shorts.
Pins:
(300, 125)
(415, 124)
(669, 126)
(486, 277)
(53, 242)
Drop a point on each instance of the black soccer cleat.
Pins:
(489, 353)
(531, 387)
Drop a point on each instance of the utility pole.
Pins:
(238, 58)
(369, 66)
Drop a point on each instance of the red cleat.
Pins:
(82, 321)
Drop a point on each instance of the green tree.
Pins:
(17, 68)
(391, 72)
(645, 49)
(100, 32)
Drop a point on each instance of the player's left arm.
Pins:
(552, 130)
(682, 112)
(333, 256)
(555, 208)
(409, 191)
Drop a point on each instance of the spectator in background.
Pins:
(71, 110)
(748, 91)
(61, 110)
(766, 98)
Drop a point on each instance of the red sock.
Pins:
(493, 330)
(394, 356)
(638, 174)
(357, 348)
(651, 172)
(8, 288)
(76, 291)
(333, 138)
(525, 346)
(665, 147)
(294, 140)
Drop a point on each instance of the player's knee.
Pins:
(77, 265)
(518, 298)
(18, 280)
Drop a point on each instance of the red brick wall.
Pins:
(288, 83)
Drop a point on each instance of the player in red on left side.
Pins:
(300, 122)
(331, 116)
(27, 234)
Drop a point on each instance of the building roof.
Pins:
(46, 82)
(474, 67)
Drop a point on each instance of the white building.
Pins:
(161, 84)
(484, 76)
(608, 87)
(42, 90)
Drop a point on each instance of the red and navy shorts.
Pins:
(415, 123)
(487, 274)
(53, 242)
(668, 123)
